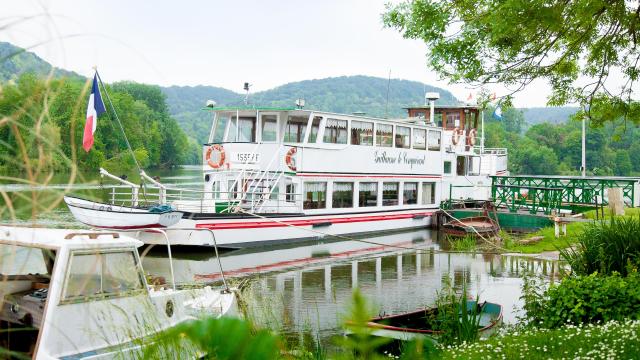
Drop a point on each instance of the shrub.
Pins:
(586, 299)
(606, 247)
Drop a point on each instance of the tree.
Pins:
(573, 45)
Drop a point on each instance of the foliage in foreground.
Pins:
(606, 247)
(583, 299)
(612, 340)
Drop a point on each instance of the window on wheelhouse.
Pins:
(419, 139)
(453, 120)
(219, 128)
(384, 135)
(269, 128)
(246, 129)
(335, 132)
(315, 129)
(315, 195)
(361, 133)
(342, 195)
(410, 193)
(403, 137)
(389, 194)
(98, 274)
(295, 129)
(368, 194)
(428, 193)
(435, 140)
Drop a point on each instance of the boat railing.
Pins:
(489, 151)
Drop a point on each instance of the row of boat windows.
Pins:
(346, 195)
(336, 131)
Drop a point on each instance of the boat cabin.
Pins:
(448, 117)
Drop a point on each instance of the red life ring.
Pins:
(455, 137)
(219, 149)
(290, 159)
(471, 137)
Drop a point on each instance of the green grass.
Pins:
(613, 340)
(607, 214)
(549, 241)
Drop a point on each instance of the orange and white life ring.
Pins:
(290, 159)
(222, 156)
(455, 137)
(471, 137)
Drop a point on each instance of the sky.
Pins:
(225, 43)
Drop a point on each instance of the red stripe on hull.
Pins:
(132, 227)
(272, 224)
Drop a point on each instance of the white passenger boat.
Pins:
(83, 294)
(291, 174)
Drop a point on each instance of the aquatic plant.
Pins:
(463, 244)
(606, 247)
(457, 317)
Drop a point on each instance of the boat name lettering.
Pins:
(382, 157)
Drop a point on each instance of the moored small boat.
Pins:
(108, 216)
(420, 324)
(474, 226)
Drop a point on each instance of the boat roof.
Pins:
(56, 239)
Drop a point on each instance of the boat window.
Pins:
(435, 140)
(428, 193)
(295, 129)
(247, 129)
(437, 119)
(361, 133)
(335, 132)
(315, 195)
(100, 274)
(384, 135)
(368, 194)
(21, 260)
(419, 139)
(460, 168)
(290, 195)
(232, 131)
(390, 194)
(453, 120)
(269, 128)
(403, 137)
(410, 193)
(447, 167)
(342, 195)
(315, 128)
(218, 128)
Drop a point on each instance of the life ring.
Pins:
(471, 137)
(455, 137)
(290, 159)
(219, 149)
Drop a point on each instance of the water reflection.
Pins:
(308, 288)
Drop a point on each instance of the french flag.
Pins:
(94, 109)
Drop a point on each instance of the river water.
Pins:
(306, 289)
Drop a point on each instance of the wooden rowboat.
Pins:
(474, 226)
(419, 324)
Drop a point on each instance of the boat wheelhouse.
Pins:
(290, 174)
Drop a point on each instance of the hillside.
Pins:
(553, 115)
(15, 61)
(346, 94)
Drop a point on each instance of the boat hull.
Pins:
(250, 231)
(100, 215)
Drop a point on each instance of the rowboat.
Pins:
(481, 226)
(110, 216)
(419, 324)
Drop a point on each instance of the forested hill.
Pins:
(345, 94)
(15, 61)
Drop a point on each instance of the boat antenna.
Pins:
(115, 114)
(386, 107)
(246, 88)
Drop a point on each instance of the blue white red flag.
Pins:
(95, 107)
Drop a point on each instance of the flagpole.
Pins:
(482, 131)
(584, 155)
(113, 109)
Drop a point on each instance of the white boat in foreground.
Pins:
(83, 294)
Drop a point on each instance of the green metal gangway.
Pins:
(545, 193)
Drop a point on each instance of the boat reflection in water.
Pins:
(308, 288)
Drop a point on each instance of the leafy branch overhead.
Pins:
(587, 50)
